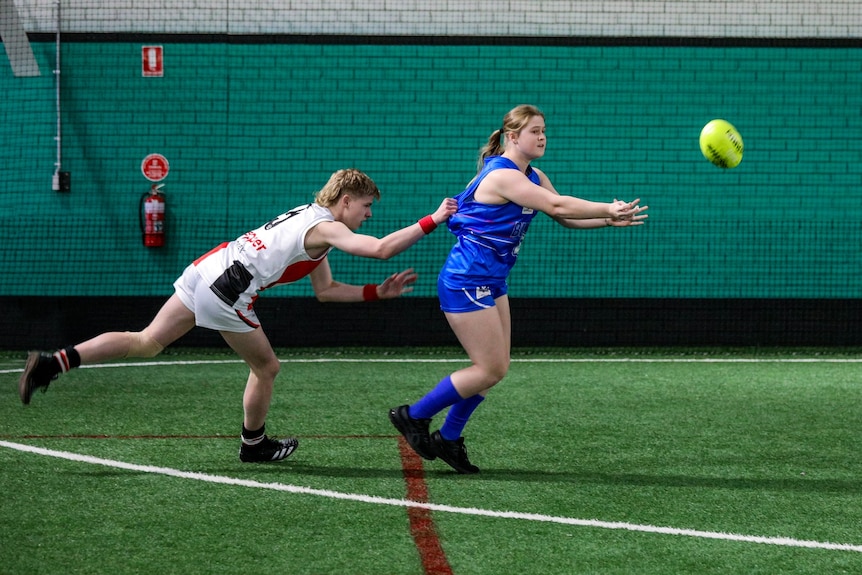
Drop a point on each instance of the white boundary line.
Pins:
(465, 360)
(595, 523)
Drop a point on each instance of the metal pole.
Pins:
(59, 164)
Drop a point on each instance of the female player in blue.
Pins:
(493, 215)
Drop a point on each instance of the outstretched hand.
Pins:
(627, 213)
(448, 207)
(397, 284)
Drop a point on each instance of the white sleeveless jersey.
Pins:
(270, 255)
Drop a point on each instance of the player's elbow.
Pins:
(560, 211)
(324, 293)
(566, 223)
(325, 296)
(383, 251)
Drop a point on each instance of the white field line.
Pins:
(464, 360)
(595, 523)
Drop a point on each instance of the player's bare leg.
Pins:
(486, 336)
(254, 348)
(172, 321)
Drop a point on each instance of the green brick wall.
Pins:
(252, 130)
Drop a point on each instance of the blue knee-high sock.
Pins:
(457, 417)
(442, 396)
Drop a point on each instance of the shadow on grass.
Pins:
(286, 469)
(805, 484)
(799, 484)
(289, 471)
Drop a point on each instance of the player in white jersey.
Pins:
(217, 291)
(236, 271)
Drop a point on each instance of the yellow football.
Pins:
(721, 144)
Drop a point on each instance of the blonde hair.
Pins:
(513, 121)
(351, 182)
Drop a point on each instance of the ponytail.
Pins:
(494, 147)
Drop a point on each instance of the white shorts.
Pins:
(210, 311)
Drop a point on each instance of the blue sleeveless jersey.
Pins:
(489, 235)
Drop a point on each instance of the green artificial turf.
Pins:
(710, 441)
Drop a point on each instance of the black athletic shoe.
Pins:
(39, 371)
(454, 453)
(415, 431)
(268, 450)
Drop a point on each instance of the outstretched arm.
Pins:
(338, 235)
(514, 186)
(328, 290)
(635, 219)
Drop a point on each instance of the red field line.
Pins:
(422, 527)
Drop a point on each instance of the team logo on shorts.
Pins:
(482, 291)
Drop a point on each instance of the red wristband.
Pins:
(369, 292)
(427, 224)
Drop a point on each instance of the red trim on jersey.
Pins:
(295, 272)
(209, 253)
(246, 320)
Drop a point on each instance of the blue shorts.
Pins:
(469, 298)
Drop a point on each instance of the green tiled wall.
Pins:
(253, 130)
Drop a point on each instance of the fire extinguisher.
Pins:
(152, 212)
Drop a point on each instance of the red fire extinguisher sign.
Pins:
(153, 62)
(155, 167)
